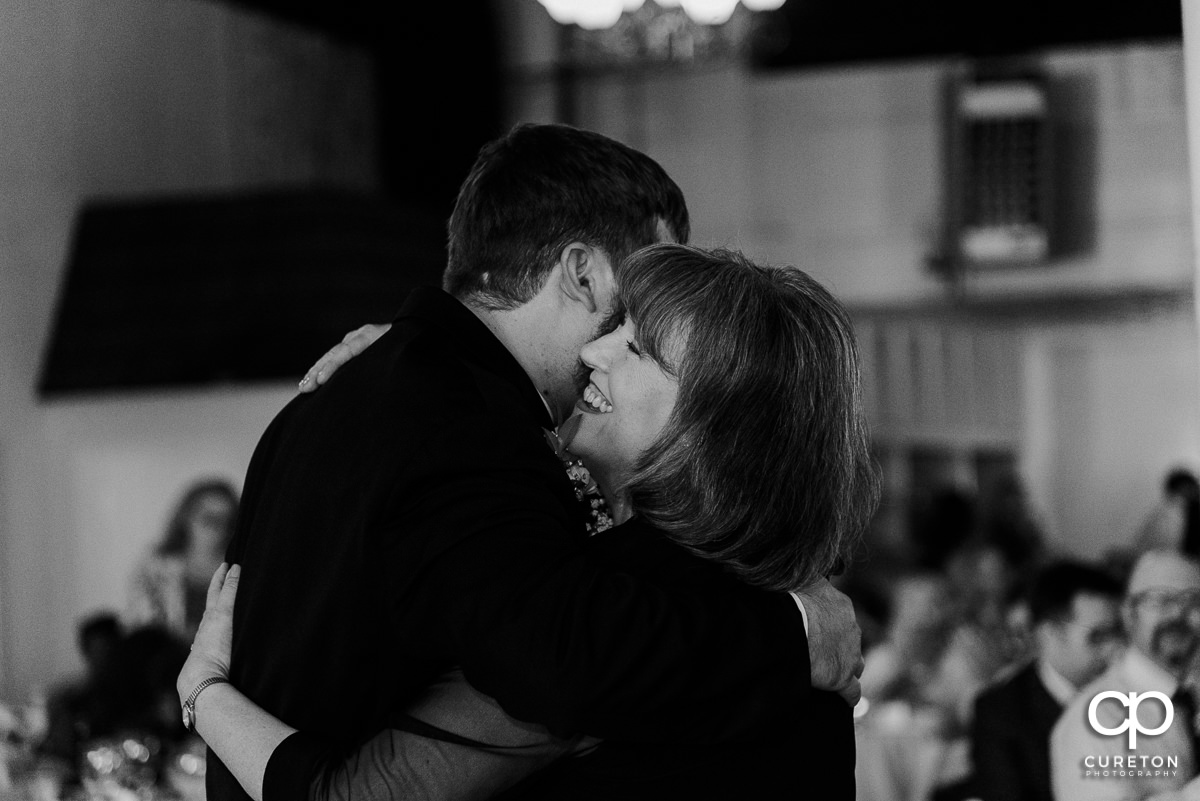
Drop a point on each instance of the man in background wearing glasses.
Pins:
(1130, 734)
(1074, 611)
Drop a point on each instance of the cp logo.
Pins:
(1132, 724)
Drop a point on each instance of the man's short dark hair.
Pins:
(541, 187)
(1181, 481)
(764, 464)
(1054, 588)
(99, 626)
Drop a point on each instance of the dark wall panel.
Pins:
(178, 292)
(820, 32)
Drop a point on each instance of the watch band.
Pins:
(189, 706)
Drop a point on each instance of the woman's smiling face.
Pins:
(625, 406)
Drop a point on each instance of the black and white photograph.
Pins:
(599, 400)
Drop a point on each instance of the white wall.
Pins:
(116, 98)
(1117, 410)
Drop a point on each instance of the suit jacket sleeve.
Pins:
(559, 637)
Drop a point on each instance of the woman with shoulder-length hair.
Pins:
(170, 584)
(767, 439)
(722, 414)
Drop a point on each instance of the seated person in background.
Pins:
(128, 688)
(1074, 610)
(941, 525)
(1161, 615)
(918, 682)
(129, 691)
(1007, 522)
(947, 637)
(1174, 523)
(78, 708)
(150, 659)
(989, 640)
(169, 586)
(923, 615)
(869, 595)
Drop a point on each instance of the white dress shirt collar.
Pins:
(1056, 684)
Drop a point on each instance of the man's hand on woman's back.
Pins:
(834, 641)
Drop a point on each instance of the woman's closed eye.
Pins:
(633, 348)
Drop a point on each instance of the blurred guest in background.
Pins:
(934, 656)
(169, 587)
(918, 684)
(150, 659)
(1007, 523)
(983, 577)
(948, 636)
(941, 525)
(1161, 615)
(869, 593)
(984, 643)
(1074, 613)
(923, 612)
(78, 707)
(128, 692)
(1174, 522)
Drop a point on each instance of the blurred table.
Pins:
(903, 754)
(112, 769)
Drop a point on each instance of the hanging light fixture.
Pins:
(600, 14)
(592, 15)
(624, 33)
(709, 12)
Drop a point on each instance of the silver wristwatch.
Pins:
(189, 706)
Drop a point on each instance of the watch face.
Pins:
(187, 717)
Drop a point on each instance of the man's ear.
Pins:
(585, 275)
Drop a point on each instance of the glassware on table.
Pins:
(185, 769)
(122, 768)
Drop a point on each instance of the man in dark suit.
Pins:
(1075, 613)
(410, 515)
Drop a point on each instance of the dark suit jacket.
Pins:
(1010, 739)
(410, 516)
